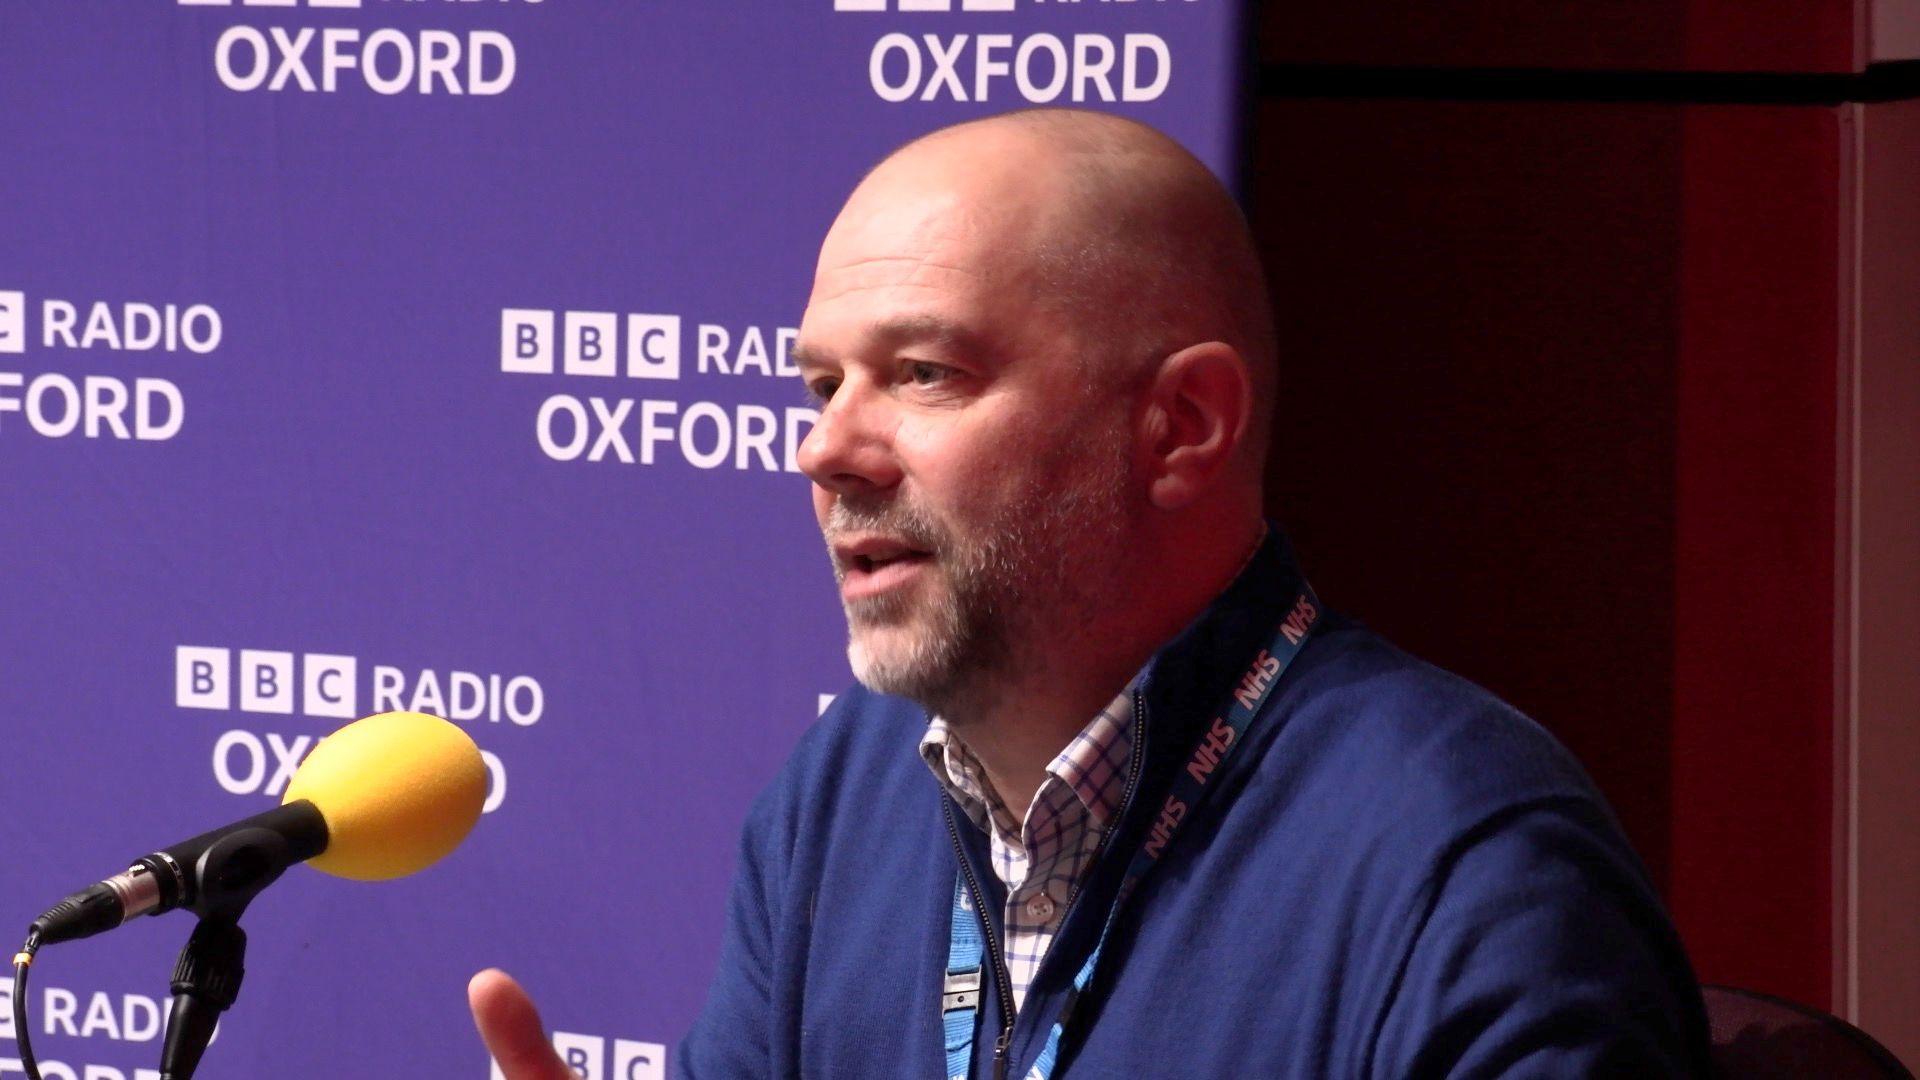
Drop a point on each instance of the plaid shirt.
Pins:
(1041, 857)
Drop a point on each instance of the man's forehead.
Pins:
(951, 204)
(890, 236)
(948, 244)
(926, 288)
(946, 284)
(954, 271)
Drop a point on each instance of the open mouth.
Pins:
(873, 565)
(869, 564)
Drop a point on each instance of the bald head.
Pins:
(1044, 363)
(1114, 231)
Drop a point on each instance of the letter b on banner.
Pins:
(200, 678)
(266, 681)
(526, 341)
(590, 340)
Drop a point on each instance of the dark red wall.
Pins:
(1559, 414)
(1753, 768)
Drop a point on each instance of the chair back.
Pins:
(1760, 1037)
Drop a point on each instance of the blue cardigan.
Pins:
(1396, 876)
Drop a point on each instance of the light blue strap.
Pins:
(960, 1001)
(1050, 1053)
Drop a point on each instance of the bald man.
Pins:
(1181, 820)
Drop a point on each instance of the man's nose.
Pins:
(850, 449)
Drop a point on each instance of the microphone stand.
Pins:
(206, 979)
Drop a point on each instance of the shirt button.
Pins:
(1040, 907)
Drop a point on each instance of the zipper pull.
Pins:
(1000, 1053)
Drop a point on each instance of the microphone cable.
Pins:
(23, 960)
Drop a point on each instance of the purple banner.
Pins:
(370, 354)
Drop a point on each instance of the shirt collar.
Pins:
(1091, 765)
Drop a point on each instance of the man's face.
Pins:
(972, 487)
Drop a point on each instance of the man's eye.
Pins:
(924, 373)
(823, 388)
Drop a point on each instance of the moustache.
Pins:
(897, 520)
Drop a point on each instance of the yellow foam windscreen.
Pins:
(398, 791)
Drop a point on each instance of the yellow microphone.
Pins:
(398, 792)
(378, 799)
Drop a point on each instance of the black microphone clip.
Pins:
(214, 875)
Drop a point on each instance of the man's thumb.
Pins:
(510, 1026)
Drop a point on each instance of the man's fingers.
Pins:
(510, 1026)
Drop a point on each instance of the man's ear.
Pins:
(1198, 407)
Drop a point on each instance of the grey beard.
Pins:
(1041, 566)
(962, 631)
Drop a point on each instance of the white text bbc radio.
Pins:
(106, 1017)
(56, 404)
(103, 1018)
(326, 686)
(647, 431)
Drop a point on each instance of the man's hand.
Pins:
(510, 1026)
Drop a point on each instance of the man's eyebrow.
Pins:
(948, 338)
(893, 333)
(801, 356)
(926, 329)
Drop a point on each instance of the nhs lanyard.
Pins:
(961, 1004)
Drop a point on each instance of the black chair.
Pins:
(1761, 1037)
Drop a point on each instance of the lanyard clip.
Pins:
(962, 990)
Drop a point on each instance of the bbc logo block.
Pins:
(534, 341)
(526, 341)
(589, 336)
(13, 322)
(264, 681)
(588, 1057)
